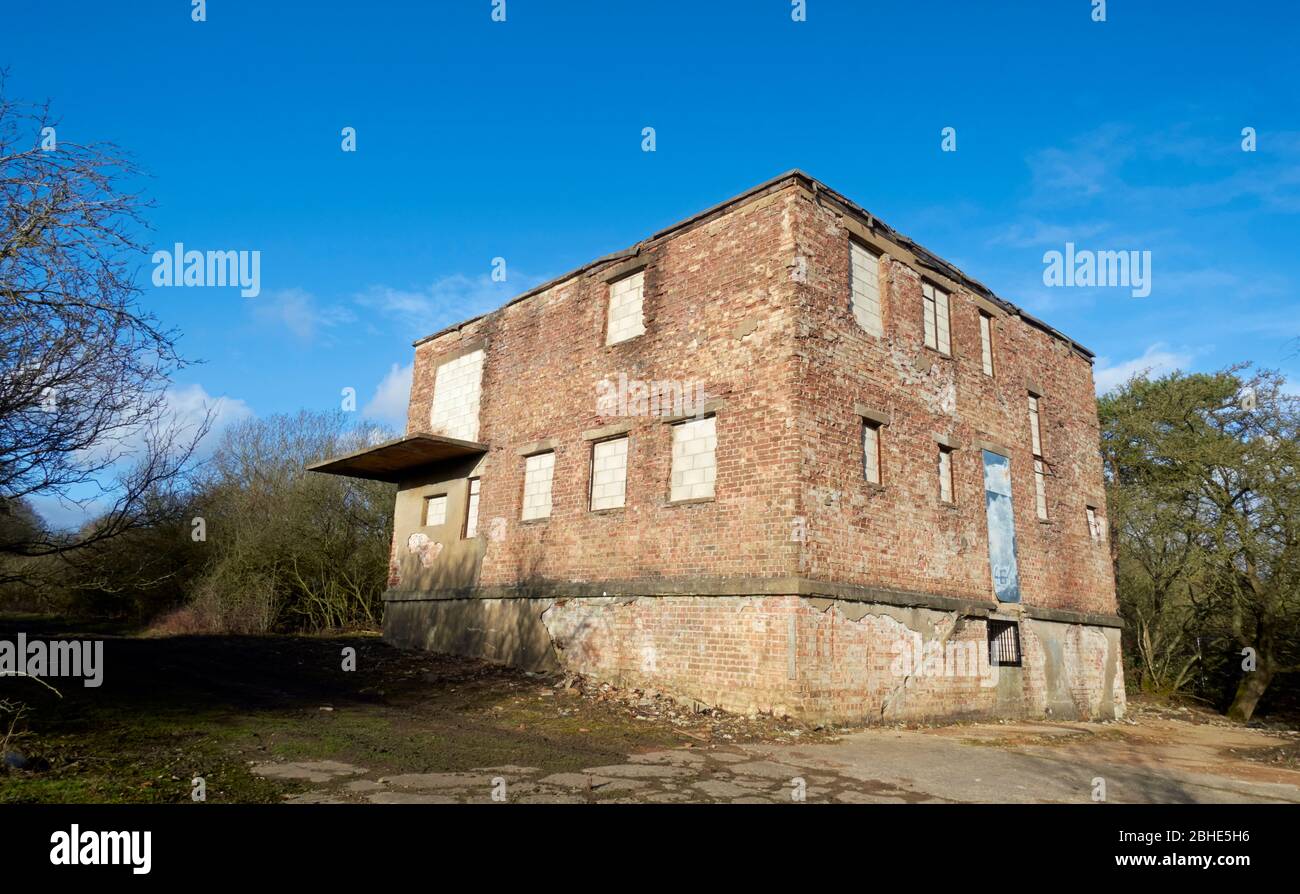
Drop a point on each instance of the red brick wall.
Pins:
(901, 536)
(755, 303)
(846, 661)
(544, 358)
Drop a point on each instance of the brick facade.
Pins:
(790, 588)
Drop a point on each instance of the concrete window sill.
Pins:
(692, 502)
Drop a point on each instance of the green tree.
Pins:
(1205, 509)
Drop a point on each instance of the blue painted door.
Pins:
(1002, 527)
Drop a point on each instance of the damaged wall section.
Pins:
(812, 658)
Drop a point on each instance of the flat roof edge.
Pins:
(816, 187)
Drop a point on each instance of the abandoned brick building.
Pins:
(776, 457)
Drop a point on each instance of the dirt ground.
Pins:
(278, 719)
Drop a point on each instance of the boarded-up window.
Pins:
(871, 451)
(538, 471)
(1035, 434)
(1040, 488)
(471, 509)
(1096, 527)
(1040, 469)
(435, 511)
(626, 319)
(864, 280)
(456, 388)
(695, 469)
(986, 342)
(608, 473)
(945, 474)
(937, 334)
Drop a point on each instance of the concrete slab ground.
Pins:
(1159, 760)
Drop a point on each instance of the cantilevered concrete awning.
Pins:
(395, 460)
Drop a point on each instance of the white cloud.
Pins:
(1035, 232)
(299, 312)
(185, 408)
(446, 301)
(188, 404)
(1156, 360)
(391, 397)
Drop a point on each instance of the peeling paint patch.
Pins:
(419, 545)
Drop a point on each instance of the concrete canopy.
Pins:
(397, 459)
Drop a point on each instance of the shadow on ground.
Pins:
(267, 719)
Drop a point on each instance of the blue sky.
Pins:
(522, 139)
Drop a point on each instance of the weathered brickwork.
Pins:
(785, 655)
(789, 589)
(900, 534)
(544, 358)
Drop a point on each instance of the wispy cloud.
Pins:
(391, 397)
(1156, 360)
(1084, 169)
(1035, 232)
(298, 311)
(445, 301)
(185, 409)
(187, 406)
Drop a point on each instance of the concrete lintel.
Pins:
(992, 447)
(871, 413)
(625, 269)
(988, 306)
(607, 431)
(541, 446)
(711, 406)
(751, 586)
(466, 346)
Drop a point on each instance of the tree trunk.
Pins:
(1249, 691)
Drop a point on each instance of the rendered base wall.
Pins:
(812, 658)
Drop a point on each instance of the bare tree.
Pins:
(83, 369)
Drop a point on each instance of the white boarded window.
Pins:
(1035, 437)
(864, 281)
(695, 445)
(1096, 527)
(471, 509)
(1040, 488)
(986, 342)
(945, 474)
(609, 473)
(871, 451)
(1040, 469)
(937, 334)
(456, 388)
(626, 319)
(435, 511)
(538, 471)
